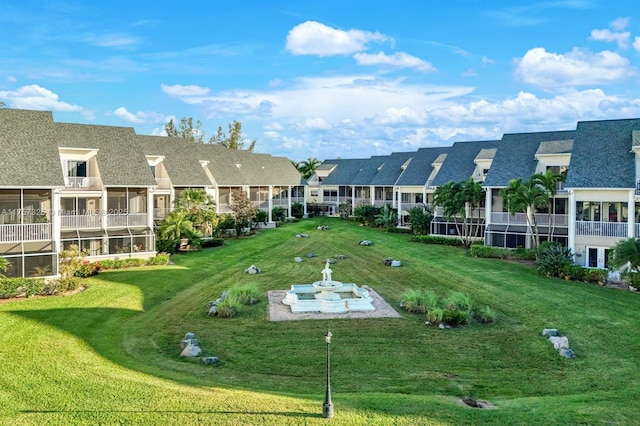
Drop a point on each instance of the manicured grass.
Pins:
(110, 355)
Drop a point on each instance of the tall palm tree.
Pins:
(200, 207)
(308, 167)
(626, 251)
(525, 197)
(176, 225)
(548, 181)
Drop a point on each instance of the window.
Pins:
(76, 168)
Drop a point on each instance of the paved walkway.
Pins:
(278, 311)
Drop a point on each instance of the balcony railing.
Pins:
(80, 221)
(601, 229)
(77, 183)
(122, 220)
(25, 232)
(163, 183)
(542, 219)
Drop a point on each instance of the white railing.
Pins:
(77, 183)
(25, 232)
(80, 221)
(601, 229)
(163, 183)
(134, 219)
(542, 219)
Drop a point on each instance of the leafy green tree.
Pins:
(176, 225)
(525, 197)
(420, 220)
(242, 210)
(185, 130)
(548, 181)
(201, 209)
(366, 214)
(297, 210)
(625, 252)
(308, 167)
(4, 264)
(232, 140)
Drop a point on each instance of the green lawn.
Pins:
(110, 355)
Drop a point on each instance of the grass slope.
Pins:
(110, 355)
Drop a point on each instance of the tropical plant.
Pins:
(278, 214)
(525, 197)
(626, 252)
(4, 265)
(297, 210)
(176, 225)
(387, 217)
(366, 214)
(420, 220)
(554, 260)
(308, 167)
(459, 202)
(201, 209)
(548, 181)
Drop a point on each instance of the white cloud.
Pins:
(111, 40)
(35, 97)
(575, 68)
(315, 124)
(636, 44)
(487, 60)
(622, 39)
(620, 23)
(140, 116)
(314, 38)
(397, 60)
(11, 79)
(181, 91)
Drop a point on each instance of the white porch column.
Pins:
(353, 199)
(104, 222)
(270, 201)
(372, 195)
(150, 208)
(56, 222)
(488, 208)
(631, 231)
(289, 200)
(571, 240)
(398, 203)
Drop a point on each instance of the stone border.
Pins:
(278, 311)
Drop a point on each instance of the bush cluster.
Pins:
(555, 260)
(480, 250)
(237, 297)
(433, 239)
(212, 242)
(21, 287)
(456, 309)
(159, 259)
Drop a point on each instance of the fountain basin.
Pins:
(338, 298)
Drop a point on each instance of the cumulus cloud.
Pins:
(314, 38)
(621, 38)
(35, 97)
(576, 68)
(397, 60)
(140, 116)
(636, 44)
(181, 91)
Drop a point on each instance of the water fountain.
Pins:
(328, 296)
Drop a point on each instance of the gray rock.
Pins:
(189, 335)
(191, 351)
(396, 263)
(340, 256)
(297, 259)
(559, 342)
(548, 332)
(387, 261)
(365, 243)
(186, 342)
(253, 269)
(209, 360)
(213, 310)
(302, 235)
(567, 353)
(310, 255)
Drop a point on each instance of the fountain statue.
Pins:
(328, 296)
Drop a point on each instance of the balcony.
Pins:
(25, 232)
(87, 221)
(77, 183)
(601, 229)
(160, 213)
(126, 220)
(542, 219)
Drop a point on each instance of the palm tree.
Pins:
(472, 194)
(448, 197)
(176, 225)
(4, 264)
(200, 207)
(548, 181)
(626, 252)
(308, 167)
(525, 197)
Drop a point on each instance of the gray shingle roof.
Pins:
(389, 173)
(418, 171)
(345, 171)
(602, 156)
(515, 157)
(555, 147)
(27, 141)
(459, 165)
(121, 160)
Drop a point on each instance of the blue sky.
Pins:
(327, 78)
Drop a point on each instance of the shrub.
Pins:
(553, 260)
(486, 315)
(278, 214)
(366, 214)
(417, 301)
(228, 308)
(61, 285)
(159, 259)
(247, 294)
(88, 269)
(212, 242)
(16, 287)
(478, 250)
(433, 239)
(10, 287)
(297, 210)
(420, 219)
(167, 245)
(521, 253)
(458, 308)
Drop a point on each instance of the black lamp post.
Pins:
(327, 406)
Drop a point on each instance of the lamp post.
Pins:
(327, 406)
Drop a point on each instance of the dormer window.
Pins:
(76, 168)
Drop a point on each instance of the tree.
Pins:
(387, 217)
(525, 197)
(201, 209)
(176, 226)
(625, 252)
(419, 219)
(548, 181)
(242, 210)
(308, 167)
(4, 265)
(233, 140)
(459, 201)
(185, 130)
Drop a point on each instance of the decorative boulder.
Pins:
(387, 261)
(396, 263)
(340, 256)
(302, 235)
(188, 342)
(365, 243)
(548, 332)
(310, 255)
(297, 259)
(189, 335)
(253, 269)
(567, 353)
(213, 310)
(191, 351)
(559, 342)
(322, 228)
(209, 360)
